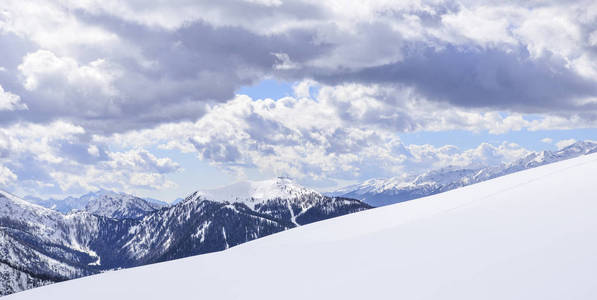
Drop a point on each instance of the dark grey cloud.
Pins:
(13, 48)
(217, 150)
(29, 168)
(79, 152)
(481, 78)
(269, 132)
(341, 142)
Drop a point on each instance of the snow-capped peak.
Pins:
(116, 205)
(254, 192)
(580, 147)
(20, 202)
(102, 202)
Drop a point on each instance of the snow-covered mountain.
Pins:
(525, 235)
(213, 220)
(156, 202)
(253, 193)
(379, 192)
(280, 197)
(118, 205)
(40, 245)
(62, 205)
(102, 203)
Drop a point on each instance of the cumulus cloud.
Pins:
(547, 140)
(420, 158)
(10, 101)
(60, 84)
(347, 132)
(141, 160)
(60, 158)
(6, 176)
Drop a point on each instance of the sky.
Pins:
(161, 98)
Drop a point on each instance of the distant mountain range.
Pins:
(379, 192)
(103, 203)
(111, 230)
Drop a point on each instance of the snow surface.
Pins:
(527, 235)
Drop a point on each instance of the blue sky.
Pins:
(162, 98)
(268, 88)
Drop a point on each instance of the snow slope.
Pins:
(527, 235)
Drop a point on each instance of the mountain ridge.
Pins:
(103, 202)
(380, 192)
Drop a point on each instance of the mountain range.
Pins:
(103, 203)
(41, 245)
(46, 241)
(526, 235)
(380, 192)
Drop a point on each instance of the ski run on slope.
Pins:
(527, 235)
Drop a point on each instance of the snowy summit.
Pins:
(257, 192)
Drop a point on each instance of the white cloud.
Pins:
(547, 140)
(303, 88)
(44, 70)
(555, 122)
(51, 26)
(427, 157)
(141, 160)
(93, 150)
(58, 159)
(485, 25)
(348, 132)
(6, 176)
(550, 29)
(10, 101)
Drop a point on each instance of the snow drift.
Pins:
(527, 235)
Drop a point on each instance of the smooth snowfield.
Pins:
(528, 235)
